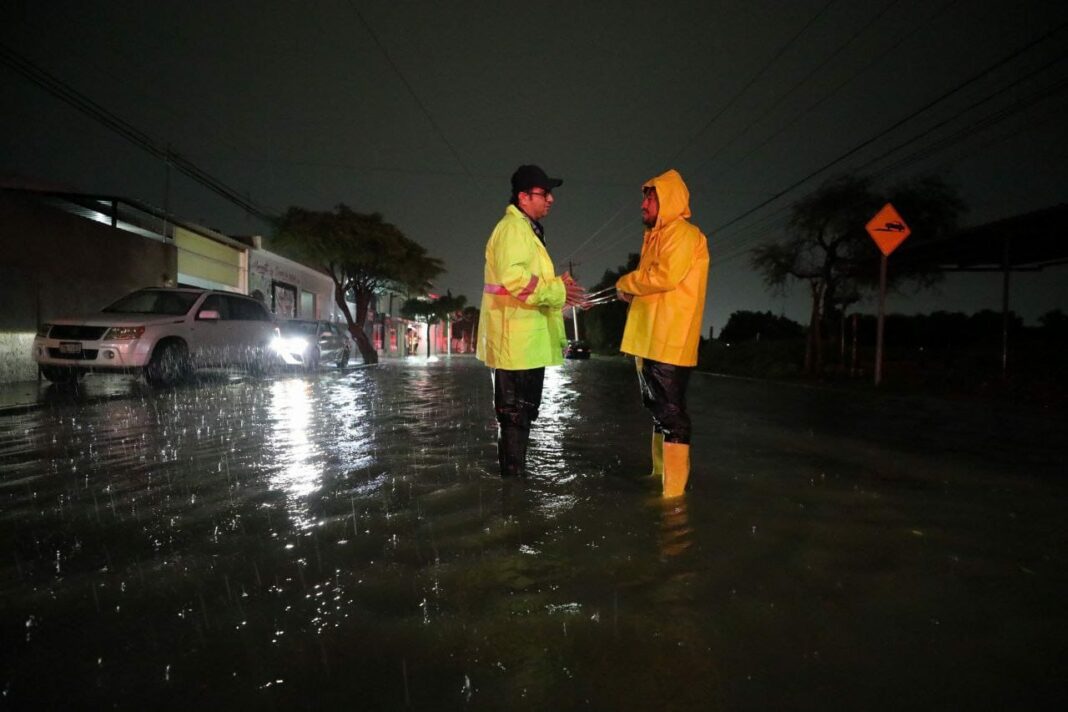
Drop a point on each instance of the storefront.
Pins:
(289, 289)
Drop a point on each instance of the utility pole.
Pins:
(167, 191)
(574, 310)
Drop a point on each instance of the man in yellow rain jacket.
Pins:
(521, 327)
(667, 300)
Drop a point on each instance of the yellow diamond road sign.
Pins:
(887, 229)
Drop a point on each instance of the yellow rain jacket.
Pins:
(664, 319)
(521, 325)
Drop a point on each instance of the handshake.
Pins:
(577, 296)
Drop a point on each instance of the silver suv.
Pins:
(163, 333)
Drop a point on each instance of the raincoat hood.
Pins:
(673, 195)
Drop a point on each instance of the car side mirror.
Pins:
(208, 315)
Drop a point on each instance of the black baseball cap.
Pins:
(529, 176)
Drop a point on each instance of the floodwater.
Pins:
(342, 541)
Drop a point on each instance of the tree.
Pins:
(827, 247)
(1054, 327)
(756, 326)
(362, 253)
(432, 311)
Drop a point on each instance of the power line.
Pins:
(782, 97)
(979, 125)
(741, 247)
(1017, 106)
(997, 139)
(411, 92)
(897, 124)
(753, 80)
(79, 101)
(875, 59)
(741, 242)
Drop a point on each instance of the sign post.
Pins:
(888, 230)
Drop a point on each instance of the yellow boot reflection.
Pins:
(675, 530)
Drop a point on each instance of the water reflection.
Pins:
(556, 417)
(676, 533)
(551, 474)
(348, 405)
(298, 475)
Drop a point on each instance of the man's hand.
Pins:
(576, 293)
(624, 297)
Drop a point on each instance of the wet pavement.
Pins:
(343, 541)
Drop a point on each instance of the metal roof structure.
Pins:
(125, 214)
(1022, 243)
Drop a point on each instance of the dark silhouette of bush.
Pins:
(756, 326)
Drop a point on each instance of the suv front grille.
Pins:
(75, 332)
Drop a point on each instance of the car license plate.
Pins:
(72, 348)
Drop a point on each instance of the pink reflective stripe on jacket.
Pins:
(528, 290)
(524, 294)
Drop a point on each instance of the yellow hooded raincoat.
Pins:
(521, 325)
(664, 320)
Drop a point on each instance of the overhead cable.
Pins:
(79, 101)
(411, 92)
(753, 80)
(875, 59)
(897, 124)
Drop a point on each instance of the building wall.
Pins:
(274, 277)
(204, 262)
(54, 263)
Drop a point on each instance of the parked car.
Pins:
(308, 343)
(163, 333)
(577, 349)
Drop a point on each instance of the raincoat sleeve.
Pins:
(665, 270)
(514, 260)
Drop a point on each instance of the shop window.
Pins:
(284, 300)
(307, 305)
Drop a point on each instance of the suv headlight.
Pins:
(124, 333)
(43, 329)
(289, 345)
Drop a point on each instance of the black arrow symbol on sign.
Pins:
(891, 227)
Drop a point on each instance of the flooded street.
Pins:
(343, 541)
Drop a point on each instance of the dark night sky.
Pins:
(421, 111)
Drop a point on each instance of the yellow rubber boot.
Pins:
(676, 468)
(658, 455)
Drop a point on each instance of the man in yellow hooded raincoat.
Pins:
(667, 300)
(521, 326)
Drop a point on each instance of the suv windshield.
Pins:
(303, 328)
(152, 301)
